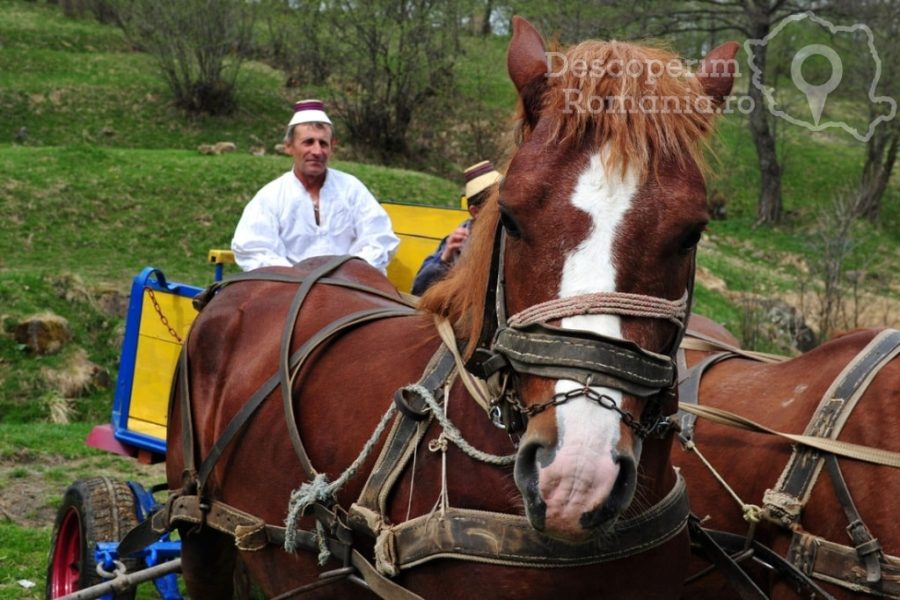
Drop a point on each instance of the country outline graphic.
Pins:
(770, 99)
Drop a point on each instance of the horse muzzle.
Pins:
(571, 498)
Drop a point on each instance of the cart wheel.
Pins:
(94, 510)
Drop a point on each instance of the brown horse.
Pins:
(784, 395)
(589, 249)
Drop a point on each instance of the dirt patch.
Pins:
(32, 487)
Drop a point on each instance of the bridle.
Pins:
(526, 343)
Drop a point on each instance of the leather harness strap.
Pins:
(783, 503)
(841, 565)
(558, 353)
(506, 539)
(713, 551)
(689, 390)
(863, 567)
(252, 534)
(711, 541)
(867, 547)
(875, 456)
(204, 297)
(694, 340)
(403, 438)
(284, 356)
(188, 450)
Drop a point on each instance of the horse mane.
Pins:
(659, 114)
(460, 295)
(645, 139)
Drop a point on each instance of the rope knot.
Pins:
(320, 489)
(752, 513)
(438, 444)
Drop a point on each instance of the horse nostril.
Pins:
(526, 477)
(619, 498)
(626, 482)
(525, 471)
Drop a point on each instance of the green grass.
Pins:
(44, 439)
(25, 393)
(29, 25)
(23, 556)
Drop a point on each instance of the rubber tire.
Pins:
(98, 509)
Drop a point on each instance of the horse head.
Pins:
(593, 234)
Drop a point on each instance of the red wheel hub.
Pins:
(65, 569)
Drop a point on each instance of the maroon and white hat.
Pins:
(480, 177)
(309, 111)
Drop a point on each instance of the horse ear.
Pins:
(717, 70)
(527, 64)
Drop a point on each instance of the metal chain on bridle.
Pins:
(642, 430)
(527, 344)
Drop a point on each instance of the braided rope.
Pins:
(620, 303)
(320, 489)
(454, 435)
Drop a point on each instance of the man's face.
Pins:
(311, 148)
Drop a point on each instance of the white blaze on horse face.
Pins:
(584, 469)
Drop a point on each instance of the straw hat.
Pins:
(480, 177)
(309, 111)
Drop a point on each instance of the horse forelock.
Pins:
(460, 296)
(638, 102)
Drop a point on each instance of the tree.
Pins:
(881, 148)
(197, 45)
(573, 22)
(753, 19)
(881, 156)
(392, 60)
(304, 58)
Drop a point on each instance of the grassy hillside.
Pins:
(106, 212)
(77, 82)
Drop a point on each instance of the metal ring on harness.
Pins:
(407, 398)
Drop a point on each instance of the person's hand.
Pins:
(454, 244)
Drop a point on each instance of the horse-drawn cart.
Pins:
(97, 512)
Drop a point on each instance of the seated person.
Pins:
(312, 210)
(480, 180)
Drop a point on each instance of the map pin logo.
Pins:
(816, 94)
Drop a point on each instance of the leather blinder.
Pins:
(585, 356)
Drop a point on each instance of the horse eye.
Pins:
(509, 223)
(690, 241)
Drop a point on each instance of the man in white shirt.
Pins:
(312, 210)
